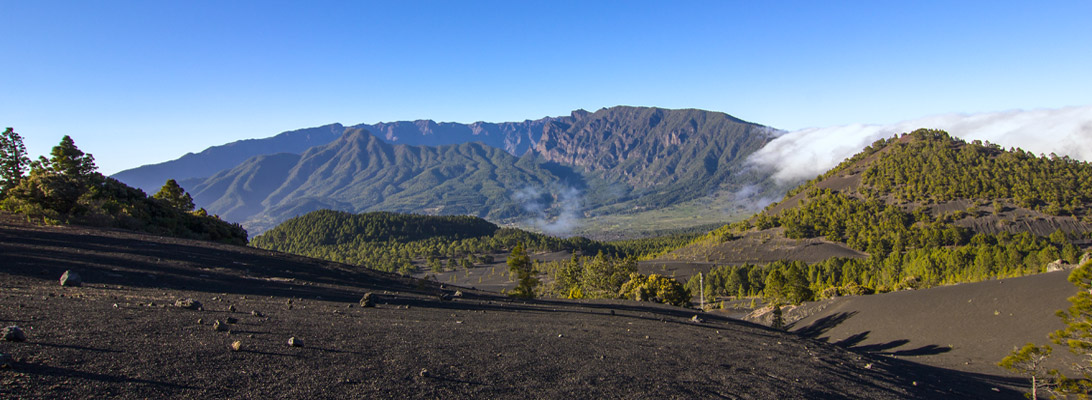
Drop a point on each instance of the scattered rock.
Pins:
(697, 319)
(231, 320)
(868, 366)
(231, 308)
(424, 373)
(14, 334)
(458, 293)
(293, 342)
(256, 313)
(368, 300)
(200, 321)
(5, 361)
(445, 297)
(219, 326)
(237, 345)
(71, 278)
(189, 304)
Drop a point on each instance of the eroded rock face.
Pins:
(14, 334)
(71, 278)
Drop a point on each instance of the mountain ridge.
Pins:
(615, 161)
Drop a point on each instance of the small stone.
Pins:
(368, 300)
(560, 335)
(189, 304)
(424, 373)
(293, 342)
(200, 321)
(231, 308)
(697, 319)
(231, 320)
(71, 278)
(14, 334)
(5, 361)
(445, 297)
(458, 293)
(115, 305)
(256, 313)
(237, 345)
(219, 326)
(868, 366)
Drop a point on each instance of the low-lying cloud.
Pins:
(567, 201)
(806, 153)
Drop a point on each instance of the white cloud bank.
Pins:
(806, 153)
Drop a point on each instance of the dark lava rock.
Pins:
(293, 342)
(71, 278)
(14, 334)
(189, 304)
(368, 300)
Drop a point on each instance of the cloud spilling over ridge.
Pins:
(806, 153)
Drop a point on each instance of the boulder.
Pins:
(71, 278)
(189, 304)
(368, 300)
(14, 334)
(1058, 265)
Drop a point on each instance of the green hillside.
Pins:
(925, 209)
(394, 242)
(620, 170)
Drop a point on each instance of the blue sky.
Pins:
(137, 82)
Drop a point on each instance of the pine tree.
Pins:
(13, 160)
(175, 196)
(519, 263)
(1077, 334)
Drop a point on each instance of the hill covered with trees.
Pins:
(393, 242)
(66, 188)
(924, 209)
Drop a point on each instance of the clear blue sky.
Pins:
(136, 82)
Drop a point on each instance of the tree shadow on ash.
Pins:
(67, 373)
(75, 347)
(823, 325)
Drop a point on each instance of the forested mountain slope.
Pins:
(217, 158)
(922, 209)
(393, 242)
(616, 161)
(359, 172)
